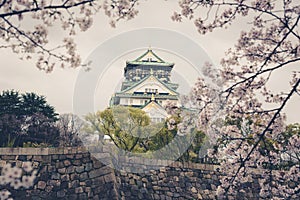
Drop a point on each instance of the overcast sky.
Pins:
(59, 86)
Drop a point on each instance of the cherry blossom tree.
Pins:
(244, 146)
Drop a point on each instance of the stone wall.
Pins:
(63, 173)
(174, 181)
(74, 173)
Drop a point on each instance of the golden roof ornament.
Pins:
(152, 97)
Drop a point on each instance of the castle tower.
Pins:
(147, 86)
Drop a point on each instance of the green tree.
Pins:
(10, 117)
(26, 118)
(126, 126)
(131, 129)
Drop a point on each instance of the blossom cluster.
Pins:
(16, 177)
(31, 40)
(120, 9)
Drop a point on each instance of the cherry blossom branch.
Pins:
(237, 6)
(50, 7)
(31, 40)
(262, 135)
(260, 73)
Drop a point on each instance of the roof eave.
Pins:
(150, 63)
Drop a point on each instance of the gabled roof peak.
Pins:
(149, 57)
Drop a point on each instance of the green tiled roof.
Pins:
(157, 96)
(146, 77)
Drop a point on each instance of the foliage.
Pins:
(36, 145)
(26, 118)
(131, 130)
(123, 125)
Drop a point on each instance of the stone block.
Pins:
(85, 160)
(194, 190)
(65, 177)
(26, 151)
(161, 175)
(37, 158)
(99, 172)
(77, 162)
(67, 150)
(78, 190)
(42, 151)
(98, 181)
(79, 169)
(78, 156)
(94, 173)
(51, 168)
(62, 170)
(97, 164)
(59, 164)
(70, 169)
(145, 180)
(67, 163)
(168, 198)
(46, 159)
(82, 196)
(82, 183)
(74, 177)
(162, 197)
(73, 184)
(88, 167)
(55, 176)
(109, 178)
(170, 194)
(61, 193)
(83, 176)
(87, 189)
(70, 156)
(55, 183)
(155, 187)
